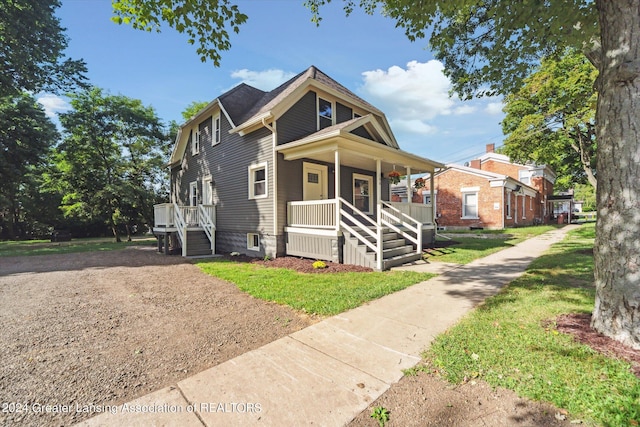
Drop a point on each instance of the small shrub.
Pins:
(380, 414)
(319, 264)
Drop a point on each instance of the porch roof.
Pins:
(355, 151)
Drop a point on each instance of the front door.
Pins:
(207, 198)
(314, 181)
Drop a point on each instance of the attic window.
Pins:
(325, 113)
(216, 129)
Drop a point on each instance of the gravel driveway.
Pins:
(103, 328)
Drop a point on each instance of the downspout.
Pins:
(504, 190)
(274, 159)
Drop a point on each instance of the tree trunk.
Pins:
(617, 248)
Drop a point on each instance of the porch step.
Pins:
(198, 243)
(400, 260)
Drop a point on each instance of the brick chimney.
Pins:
(475, 164)
(491, 148)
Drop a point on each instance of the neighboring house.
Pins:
(491, 192)
(301, 170)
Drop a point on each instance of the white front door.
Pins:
(314, 181)
(207, 196)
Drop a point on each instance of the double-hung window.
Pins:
(507, 204)
(258, 181)
(325, 113)
(470, 202)
(362, 193)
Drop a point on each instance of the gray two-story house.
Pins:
(302, 170)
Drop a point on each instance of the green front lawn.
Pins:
(324, 294)
(510, 341)
(463, 250)
(45, 247)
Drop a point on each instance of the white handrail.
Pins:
(400, 219)
(181, 227)
(377, 248)
(207, 223)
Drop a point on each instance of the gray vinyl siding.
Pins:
(228, 165)
(299, 121)
(361, 131)
(343, 113)
(205, 132)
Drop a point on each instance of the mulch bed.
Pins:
(301, 265)
(579, 325)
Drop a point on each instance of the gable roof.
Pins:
(248, 108)
(489, 176)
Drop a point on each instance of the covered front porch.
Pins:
(357, 225)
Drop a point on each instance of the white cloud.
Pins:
(464, 109)
(53, 105)
(419, 92)
(265, 80)
(494, 108)
(412, 126)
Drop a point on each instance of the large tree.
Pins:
(31, 49)
(26, 137)
(489, 47)
(551, 119)
(111, 159)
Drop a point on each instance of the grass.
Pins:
(468, 249)
(45, 247)
(323, 294)
(510, 341)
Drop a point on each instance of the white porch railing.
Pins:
(170, 215)
(406, 219)
(418, 211)
(163, 215)
(312, 213)
(402, 224)
(190, 214)
(181, 226)
(207, 220)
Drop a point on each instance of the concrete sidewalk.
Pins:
(328, 373)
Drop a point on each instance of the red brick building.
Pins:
(492, 192)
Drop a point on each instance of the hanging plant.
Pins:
(419, 183)
(394, 177)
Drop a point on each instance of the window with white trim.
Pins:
(325, 113)
(524, 206)
(193, 193)
(253, 241)
(258, 181)
(216, 130)
(524, 176)
(470, 205)
(362, 189)
(195, 142)
(507, 205)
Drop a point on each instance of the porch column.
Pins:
(336, 176)
(432, 192)
(378, 186)
(409, 192)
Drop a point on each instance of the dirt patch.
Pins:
(103, 328)
(301, 265)
(579, 325)
(426, 400)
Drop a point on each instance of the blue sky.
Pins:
(365, 53)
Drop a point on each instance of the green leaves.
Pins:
(206, 22)
(31, 49)
(551, 119)
(111, 159)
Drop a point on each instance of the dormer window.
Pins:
(325, 113)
